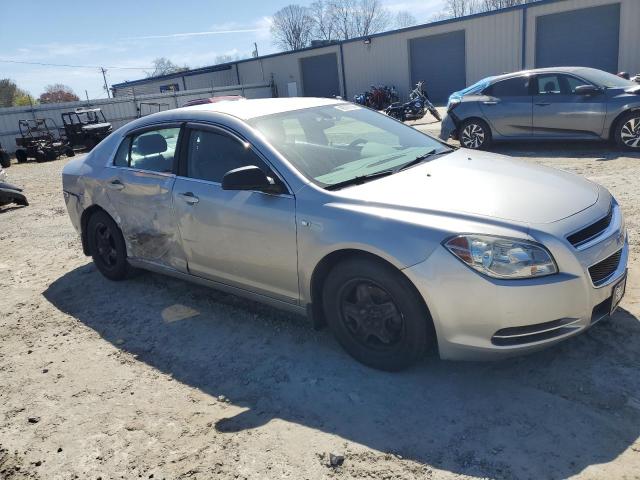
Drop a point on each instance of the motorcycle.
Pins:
(377, 98)
(10, 193)
(416, 108)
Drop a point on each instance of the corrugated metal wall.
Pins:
(493, 45)
(119, 110)
(628, 59)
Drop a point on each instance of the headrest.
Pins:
(151, 144)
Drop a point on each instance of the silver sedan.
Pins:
(395, 239)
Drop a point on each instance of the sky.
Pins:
(126, 36)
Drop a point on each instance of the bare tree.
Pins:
(358, 18)
(58, 93)
(164, 66)
(291, 27)
(488, 5)
(404, 19)
(322, 18)
(461, 8)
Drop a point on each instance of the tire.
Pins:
(474, 134)
(5, 160)
(627, 132)
(50, 155)
(395, 331)
(40, 156)
(69, 152)
(107, 247)
(433, 111)
(21, 156)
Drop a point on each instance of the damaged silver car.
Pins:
(395, 239)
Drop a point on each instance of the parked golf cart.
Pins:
(85, 127)
(5, 161)
(39, 139)
(10, 193)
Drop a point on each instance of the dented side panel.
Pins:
(143, 208)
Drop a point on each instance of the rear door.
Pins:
(246, 239)
(507, 104)
(139, 186)
(559, 112)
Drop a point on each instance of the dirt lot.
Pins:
(157, 378)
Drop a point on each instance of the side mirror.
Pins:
(250, 178)
(587, 90)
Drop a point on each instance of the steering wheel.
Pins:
(358, 141)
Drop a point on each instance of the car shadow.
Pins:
(547, 415)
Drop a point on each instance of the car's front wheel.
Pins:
(376, 315)
(627, 134)
(475, 134)
(107, 246)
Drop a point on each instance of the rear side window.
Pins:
(153, 150)
(122, 155)
(212, 154)
(513, 87)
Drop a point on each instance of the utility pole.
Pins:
(256, 55)
(104, 76)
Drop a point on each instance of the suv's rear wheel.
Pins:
(627, 134)
(475, 134)
(107, 246)
(376, 315)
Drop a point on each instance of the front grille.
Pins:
(601, 271)
(591, 231)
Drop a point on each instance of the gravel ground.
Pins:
(158, 378)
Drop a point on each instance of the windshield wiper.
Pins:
(417, 160)
(360, 179)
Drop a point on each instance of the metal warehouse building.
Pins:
(448, 54)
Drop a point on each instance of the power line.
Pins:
(73, 66)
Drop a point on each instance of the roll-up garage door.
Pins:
(588, 37)
(440, 61)
(320, 76)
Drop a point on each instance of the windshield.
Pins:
(605, 79)
(336, 143)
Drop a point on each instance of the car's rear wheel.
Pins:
(376, 314)
(107, 246)
(627, 134)
(475, 134)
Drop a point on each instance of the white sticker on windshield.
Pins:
(347, 107)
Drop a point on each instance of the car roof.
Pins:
(247, 109)
(575, 70)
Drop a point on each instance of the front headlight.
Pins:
(452, 103)
(505, 258)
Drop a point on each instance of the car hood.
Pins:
(481, 184)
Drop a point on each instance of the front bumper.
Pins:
(448, 127)
(478, 318)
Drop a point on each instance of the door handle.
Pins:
(490, 102)
(189, 197)
(543, 104)
(115, 185)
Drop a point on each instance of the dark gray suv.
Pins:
(562, 103)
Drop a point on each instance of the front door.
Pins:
(242, 238)
(139, 186)
(507, 106)
(559, 112)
